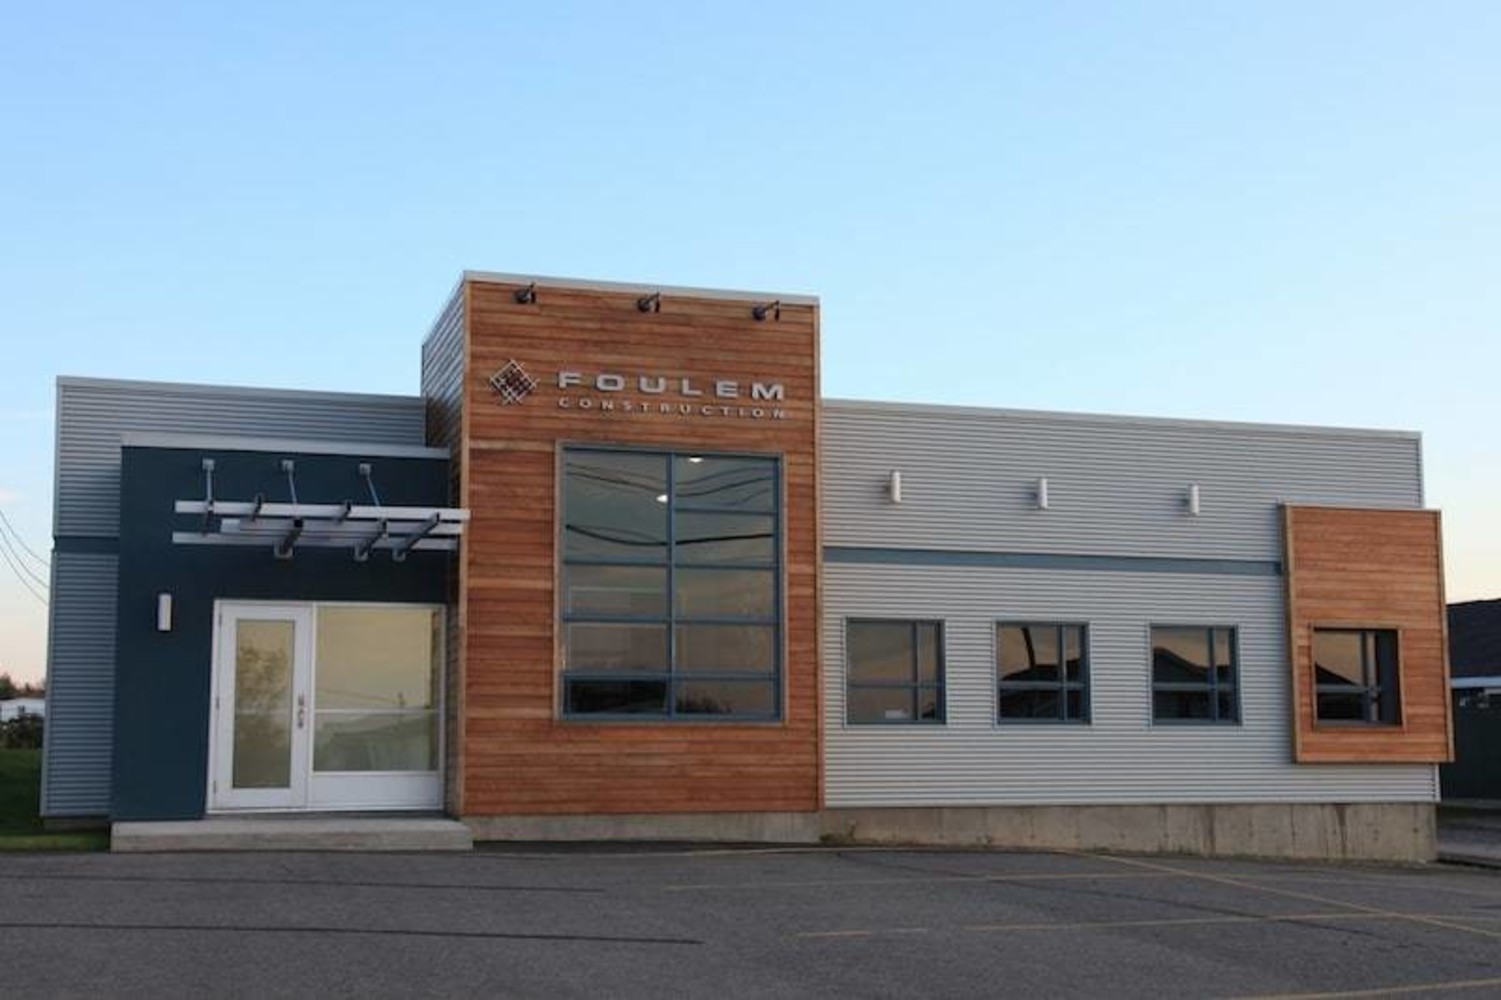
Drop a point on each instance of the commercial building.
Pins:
(620, 571)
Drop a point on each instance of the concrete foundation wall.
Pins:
(1364, 831)
(1361, 831)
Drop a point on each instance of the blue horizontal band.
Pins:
(1051, 560)
(87, 544)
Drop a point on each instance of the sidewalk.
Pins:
(1470, 833)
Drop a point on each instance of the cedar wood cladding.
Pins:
(1370, 569)
(519, 757)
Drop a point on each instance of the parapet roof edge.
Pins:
(146, 385)
(640, 288)
(945, 409)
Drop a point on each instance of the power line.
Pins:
(26, 586)
(21, 563)
(29, 550)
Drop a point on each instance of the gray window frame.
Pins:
(1370, 676)
(1213, 686)
(1062, 685)
(916, 685)
(671, 618)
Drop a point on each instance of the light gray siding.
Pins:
(92, 417)
(80, 685)
(443, 376)
(93, 414)
(1117, 486)
(1120, 757)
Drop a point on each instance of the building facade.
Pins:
(620, 571)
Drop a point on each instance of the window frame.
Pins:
(670, 619)
(1062, 685)
(915, 685)
(1213, 687)
(1370, 677)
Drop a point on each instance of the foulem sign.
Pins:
(662, 395)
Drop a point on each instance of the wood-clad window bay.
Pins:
(671, 605)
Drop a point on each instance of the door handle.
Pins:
(301, 710)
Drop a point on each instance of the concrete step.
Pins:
(294, 833)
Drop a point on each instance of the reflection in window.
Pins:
(671, 585)
(1355, 676)
(1042, 673)
(894, 671)
(1194, 675)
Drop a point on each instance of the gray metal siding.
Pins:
(1120, 757)
(92, 417)
(443, 376)
(1118, 486)
(80, 685)
(93, 414)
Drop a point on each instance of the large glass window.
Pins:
(1194, 674)
(671, 600)
(1355, 675)
(893, 671)
(376, 695)
(1042, 673)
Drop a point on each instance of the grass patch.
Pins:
(20, 796)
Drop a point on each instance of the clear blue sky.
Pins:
(1264, 211)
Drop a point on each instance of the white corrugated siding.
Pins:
(94, 414)
(1116, 486)
(1120, 757)
(80, 685)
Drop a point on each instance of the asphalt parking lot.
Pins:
(551, 922)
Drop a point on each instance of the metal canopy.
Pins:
(283, 527)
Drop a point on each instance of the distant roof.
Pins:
(1475, 638)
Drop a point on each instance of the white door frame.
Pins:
(382, 790)
(223, 796)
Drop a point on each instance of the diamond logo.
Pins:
(513, 383)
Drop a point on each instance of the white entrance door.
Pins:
(262, 717)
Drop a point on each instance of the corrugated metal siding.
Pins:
(80, 685)
(1117, 486)
(443, 376)
(1120, 757)
(443, 395)
(93, 414)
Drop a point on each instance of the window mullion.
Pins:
(672, 594)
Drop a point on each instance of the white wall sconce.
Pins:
(894, 487)
(164, 612)
(1042, 493)
(1193, 499)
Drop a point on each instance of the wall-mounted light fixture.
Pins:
(164, 612)
(650, 303)
(1042, 493)
(525, 296)
(894, 487)
(1193, 499)
(761, 311)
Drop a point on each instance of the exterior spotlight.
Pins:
(1193, 499)
(761, 311)
(526, 296)
(894, 487)
(1043, 500)
(650, 303)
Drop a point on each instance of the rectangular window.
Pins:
(1042, 672)
(672, 587)
(1195, 677)
(1355, 676)
(893, 671)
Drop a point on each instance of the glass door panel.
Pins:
(261, 718)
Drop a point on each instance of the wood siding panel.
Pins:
(519, 756)
(1370, 569)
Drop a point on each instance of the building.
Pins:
(1475, 662)
(620, 571)
(14, 708)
